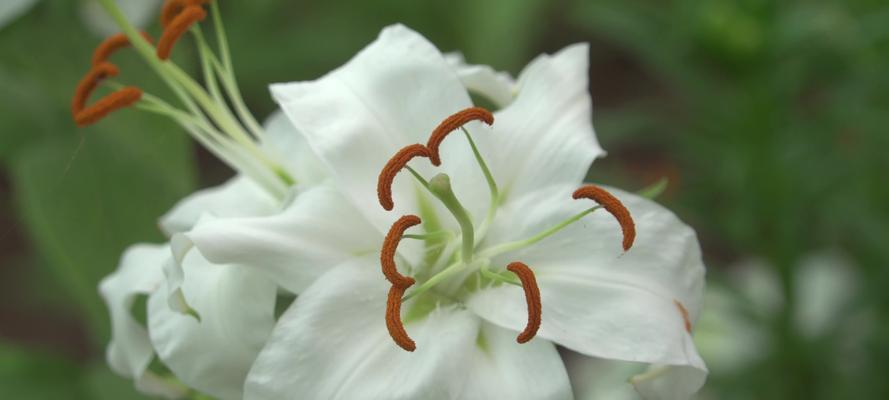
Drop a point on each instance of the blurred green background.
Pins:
(768, 117)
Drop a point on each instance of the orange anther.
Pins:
(174, 30)
(613, 206)
(684, 312)
(390, 245)
(393, 166)
(393, 318)
(453, 122)
(108, 104)
(112, 44)
(532, 298)
(172, 8)
(88, 84)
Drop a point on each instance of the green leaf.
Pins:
(84, 203)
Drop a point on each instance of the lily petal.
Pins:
(333, 344)
(290, 148)
(213, 355)
(392, 94)
(597, 301)
(503, 369)
(545, 136)
(596, 378)
(498, 87)
(130, 350)
(238, 197)
(320, 228)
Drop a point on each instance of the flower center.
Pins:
(214, 114)
(469, 260)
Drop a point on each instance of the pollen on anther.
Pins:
(393, 318)
(684, 312)
(392, 167)
(532, 298)
(89, 83)
(390, 245)
(174, 30)
(613, 206)
(111, 45)
(450, 124)
(172, 8)
(107, 105)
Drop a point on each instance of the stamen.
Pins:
(111, 45)
(450, 124)
(89, 83)
(390, 245)
(393, 319)
(172, 8)
(613, 206)
(684, 312)
(177, 27)
(108, 104)
(532, 298)
(393, 166)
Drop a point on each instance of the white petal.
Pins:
(138, 12)
(236, 306)
(287, 145)
(595, 300)
(498, 87)
(130, 350)
(238, 197)
(319, 229)
(504, 369)
(545, 137)
(595, 378)
(392, 94)
(333, 344)
(12, 9)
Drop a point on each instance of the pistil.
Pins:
(440, 185)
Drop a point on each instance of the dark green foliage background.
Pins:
(769, 117)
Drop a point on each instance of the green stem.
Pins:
(227, 74)
(492, 186)
(487, 273)
(435, 280)
(430, 236)
(520, 244)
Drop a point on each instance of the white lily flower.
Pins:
(503, 198)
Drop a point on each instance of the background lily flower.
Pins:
(236, 304)
(333, 343)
